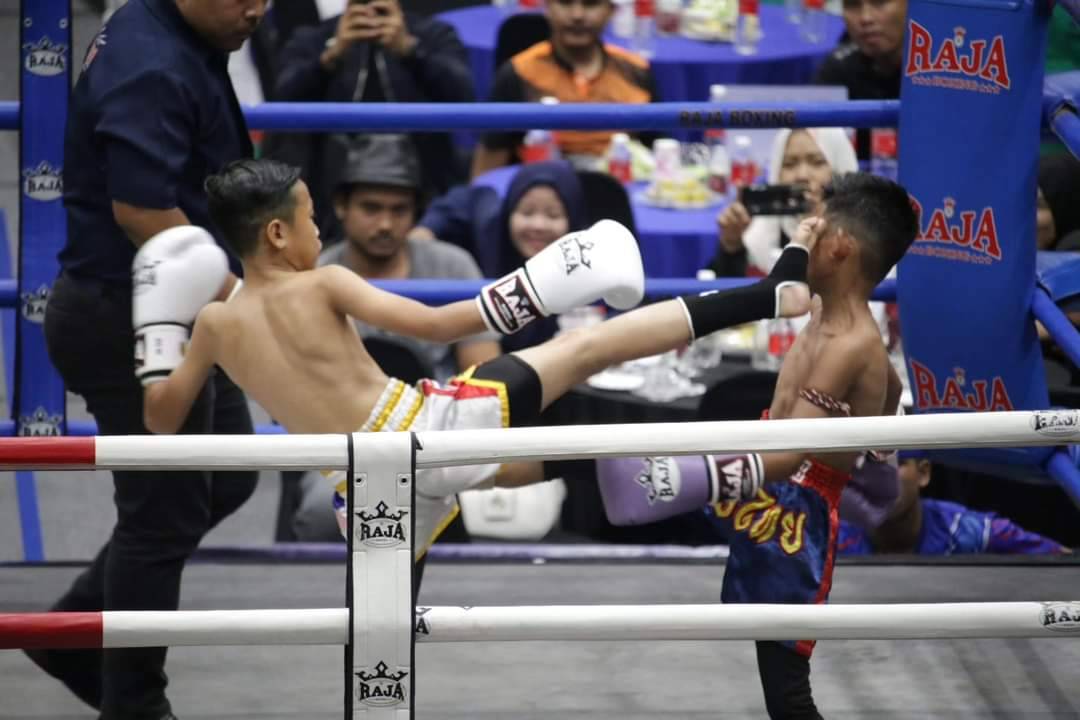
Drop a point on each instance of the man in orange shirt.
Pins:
(575, 65)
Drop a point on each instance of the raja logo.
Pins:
(661, 479)
(382, 688)
(44, 58)
(971, 235)
(980, 61)
(982, 395)
(43, 182)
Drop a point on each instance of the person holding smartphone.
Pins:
(371, 52)
(756, 227)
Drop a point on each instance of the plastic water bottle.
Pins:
(539, 145)
(813, 21)
(883, 153)
(619, 158)
(717, 95)
(719, 165)
(743, 169)
(645, 28)
(748, 28)
(668, 16)
(781, 338)
(622, 23)
(794, 11)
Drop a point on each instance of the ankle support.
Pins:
(715, 310)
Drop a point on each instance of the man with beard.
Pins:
(576, 65)
(376, 201)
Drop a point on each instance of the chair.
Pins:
(606, 198)
(395, 359)
(519, 32)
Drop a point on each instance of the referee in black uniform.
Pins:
(153, 113)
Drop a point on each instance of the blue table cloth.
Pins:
(674, 243)
(684, 68)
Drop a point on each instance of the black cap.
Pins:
(387, 160)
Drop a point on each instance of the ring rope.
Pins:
(119, 629)
(477, 447)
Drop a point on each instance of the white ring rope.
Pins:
(472, 447)
(577, 623)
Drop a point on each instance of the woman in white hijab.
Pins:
(808, 157)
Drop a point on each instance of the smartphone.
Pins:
(774, 200)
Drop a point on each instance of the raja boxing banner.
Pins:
(970, 114)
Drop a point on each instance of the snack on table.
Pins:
(710, 19)
(679, 192)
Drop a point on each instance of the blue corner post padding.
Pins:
(972, 80)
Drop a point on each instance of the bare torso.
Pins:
(829, 341)
(294, 355)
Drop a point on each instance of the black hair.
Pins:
(877, 212)
(248, 194)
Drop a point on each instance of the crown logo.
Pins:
(381, 688)
(950, 207)
(40, 424)
(381, 529)
(422, 626)
(43, 182)
(660, 478)
(33, 304)
(44, 57)
(382, 514)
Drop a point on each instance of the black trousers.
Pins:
(785, 679)
(161, 516)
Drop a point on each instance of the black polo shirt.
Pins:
(152, 114)
(850, 67)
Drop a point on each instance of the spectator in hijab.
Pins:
(808, 158)
(543, 202)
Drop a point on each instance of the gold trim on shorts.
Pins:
(396, 409)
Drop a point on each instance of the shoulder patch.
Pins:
(95, 47)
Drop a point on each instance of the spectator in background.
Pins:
(152, 114)
(868, 64)
(543, 202)
(574, 66)
(376, 201)
(809, 158)
(373, 52)
(1058, 214)
(936, 527)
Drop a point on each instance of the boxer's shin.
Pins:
(719, 309)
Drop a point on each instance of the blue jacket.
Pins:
(952, 529)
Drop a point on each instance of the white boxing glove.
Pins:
(175, 273)
(602, 262)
